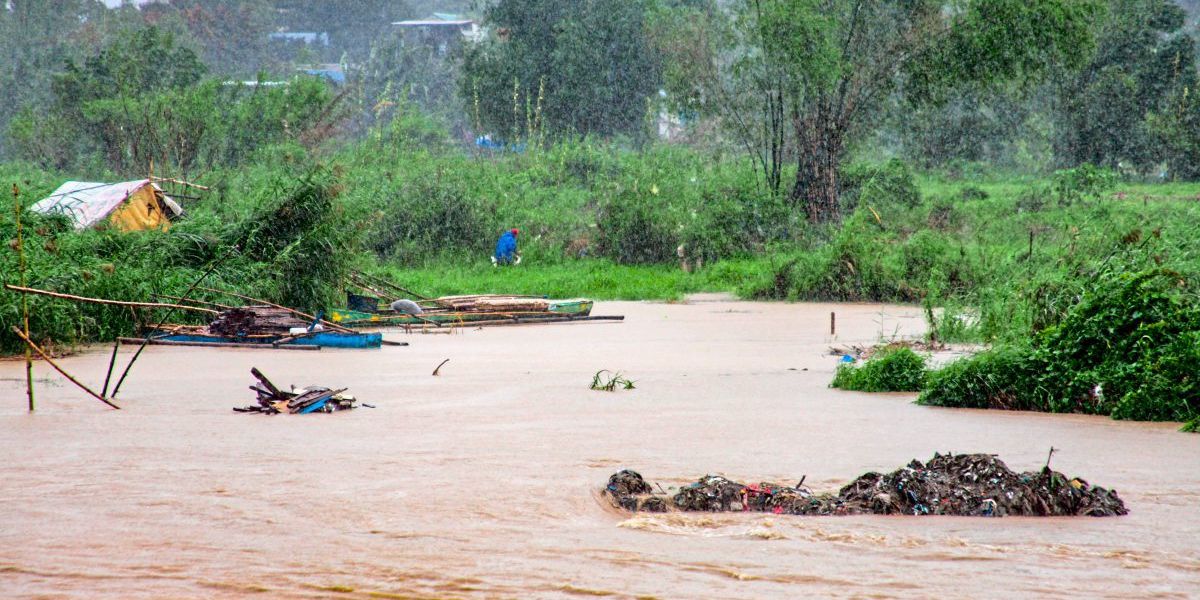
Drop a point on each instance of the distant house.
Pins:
(127, 206)
(310, 38)
(441, 31)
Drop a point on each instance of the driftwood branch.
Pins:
(439, 367)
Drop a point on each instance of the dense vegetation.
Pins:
(1023, 170)
(889, 370)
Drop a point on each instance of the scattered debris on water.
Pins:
(273, 401)
(960, 485)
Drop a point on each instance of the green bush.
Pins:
(1129, 349)
(1085, 182)
(1004, 378)
(890, 370)
(635, 229)
(891, 183)
(430, 218)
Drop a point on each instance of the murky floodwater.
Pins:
(482, 482)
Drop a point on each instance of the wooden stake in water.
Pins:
(16, 192)
(832, 323)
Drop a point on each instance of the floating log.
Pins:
(25, 290)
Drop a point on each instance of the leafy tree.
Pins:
(36, 37)
(807, 78)
(1144, 64)
(581, 67)
(231, 36)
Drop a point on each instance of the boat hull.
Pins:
(325, 339)
(356, 318)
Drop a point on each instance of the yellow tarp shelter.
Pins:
(128, 206)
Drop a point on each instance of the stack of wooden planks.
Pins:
(255, 320)
(273, 401)
(490, 303)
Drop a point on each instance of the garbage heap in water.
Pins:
(961, 485)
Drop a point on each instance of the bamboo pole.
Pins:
(335, 326)
(50, 361)
(27, 290)
(384, 282)
(24, 300)
(263, 346)
(517, 321)
(195, 301)
(111, 361)
(186, 293)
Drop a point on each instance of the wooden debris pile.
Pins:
(255, 320)
(949, 484)
(272, 400)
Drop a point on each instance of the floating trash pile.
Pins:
(273, 401)
(960, 485)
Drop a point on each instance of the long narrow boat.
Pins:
(325, 339)
(544, 309)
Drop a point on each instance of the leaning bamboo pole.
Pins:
(50, 361)
(72, 297)
(24, 300)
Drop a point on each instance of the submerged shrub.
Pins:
(891, 370)
(1129, 349)
(1004, 378)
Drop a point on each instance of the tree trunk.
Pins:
(820, 149)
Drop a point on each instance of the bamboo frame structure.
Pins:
(50, 361)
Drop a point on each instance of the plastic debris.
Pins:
(960, 485)
(272, 400)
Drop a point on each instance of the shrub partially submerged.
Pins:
(1128, 350)
(891, 370)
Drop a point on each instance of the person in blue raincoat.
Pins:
(506, 249)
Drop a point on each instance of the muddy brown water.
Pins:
(483, 482)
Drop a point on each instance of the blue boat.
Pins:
(326, 339)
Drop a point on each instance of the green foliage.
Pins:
(1005, 378)
(609, 383)
(141, 100)
(582, 67)
(891, 183)
(428, 218)
(1112, 111)
(635, 228)
(889, 370)
(1128, 349)
(1084, 182)
(294, 245)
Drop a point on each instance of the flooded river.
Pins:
(482, 482)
